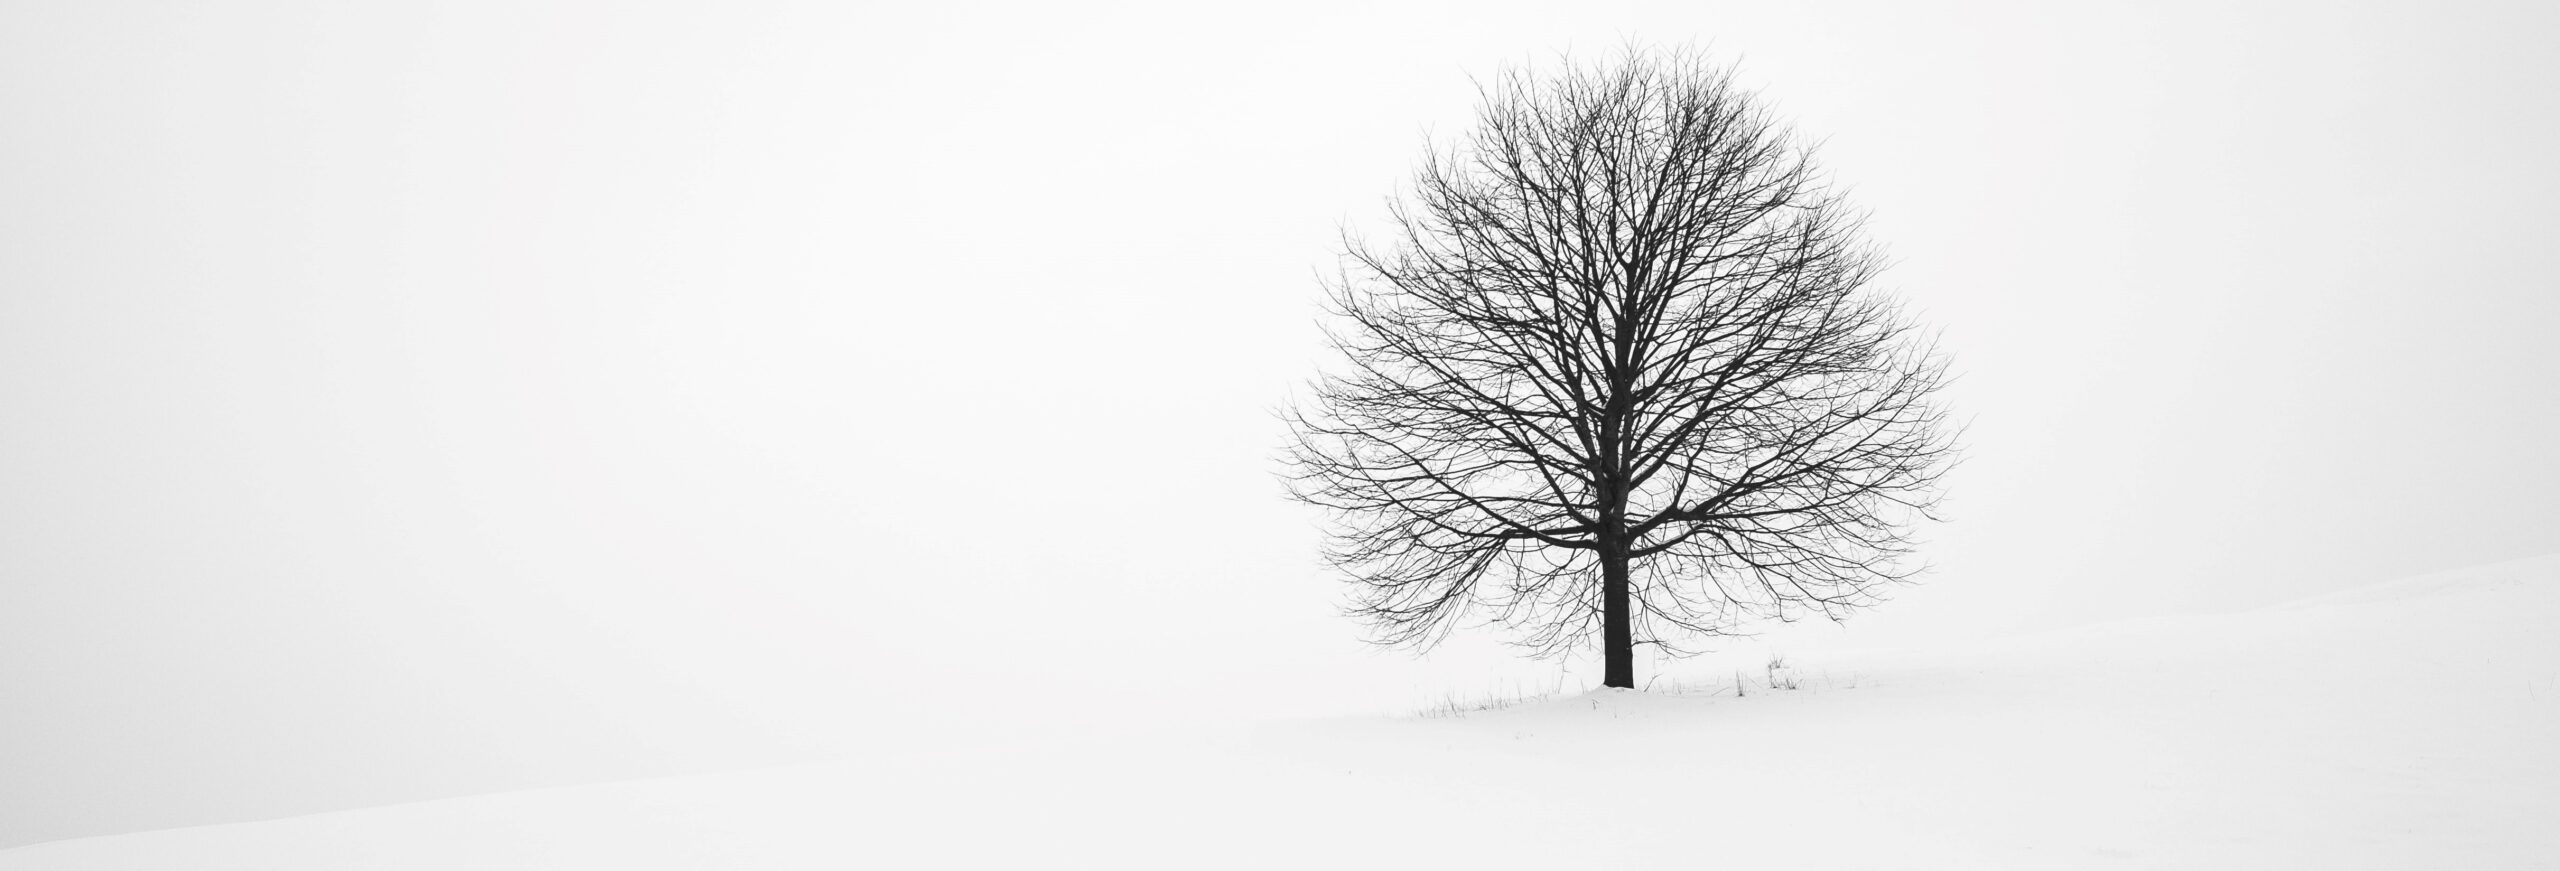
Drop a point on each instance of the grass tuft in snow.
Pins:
(1452, 704)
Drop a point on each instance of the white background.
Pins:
(413, 401)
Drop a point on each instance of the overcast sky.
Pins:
(420, 400)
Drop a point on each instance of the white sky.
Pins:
(411, 401)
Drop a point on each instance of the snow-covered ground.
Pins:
(2414, 724)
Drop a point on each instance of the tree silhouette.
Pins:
(1621, 372)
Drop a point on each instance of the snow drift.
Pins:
(2408, 724)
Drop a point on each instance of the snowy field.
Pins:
(2412, 724)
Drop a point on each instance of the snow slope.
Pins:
(2409, 724)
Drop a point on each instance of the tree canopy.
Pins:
(1619, 370)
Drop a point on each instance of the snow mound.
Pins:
(2524, 576)
(2404, 725)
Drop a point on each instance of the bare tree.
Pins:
(1622, 372)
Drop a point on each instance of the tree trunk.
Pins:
(1617, 634)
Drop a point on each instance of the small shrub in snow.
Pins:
(1781, 677)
